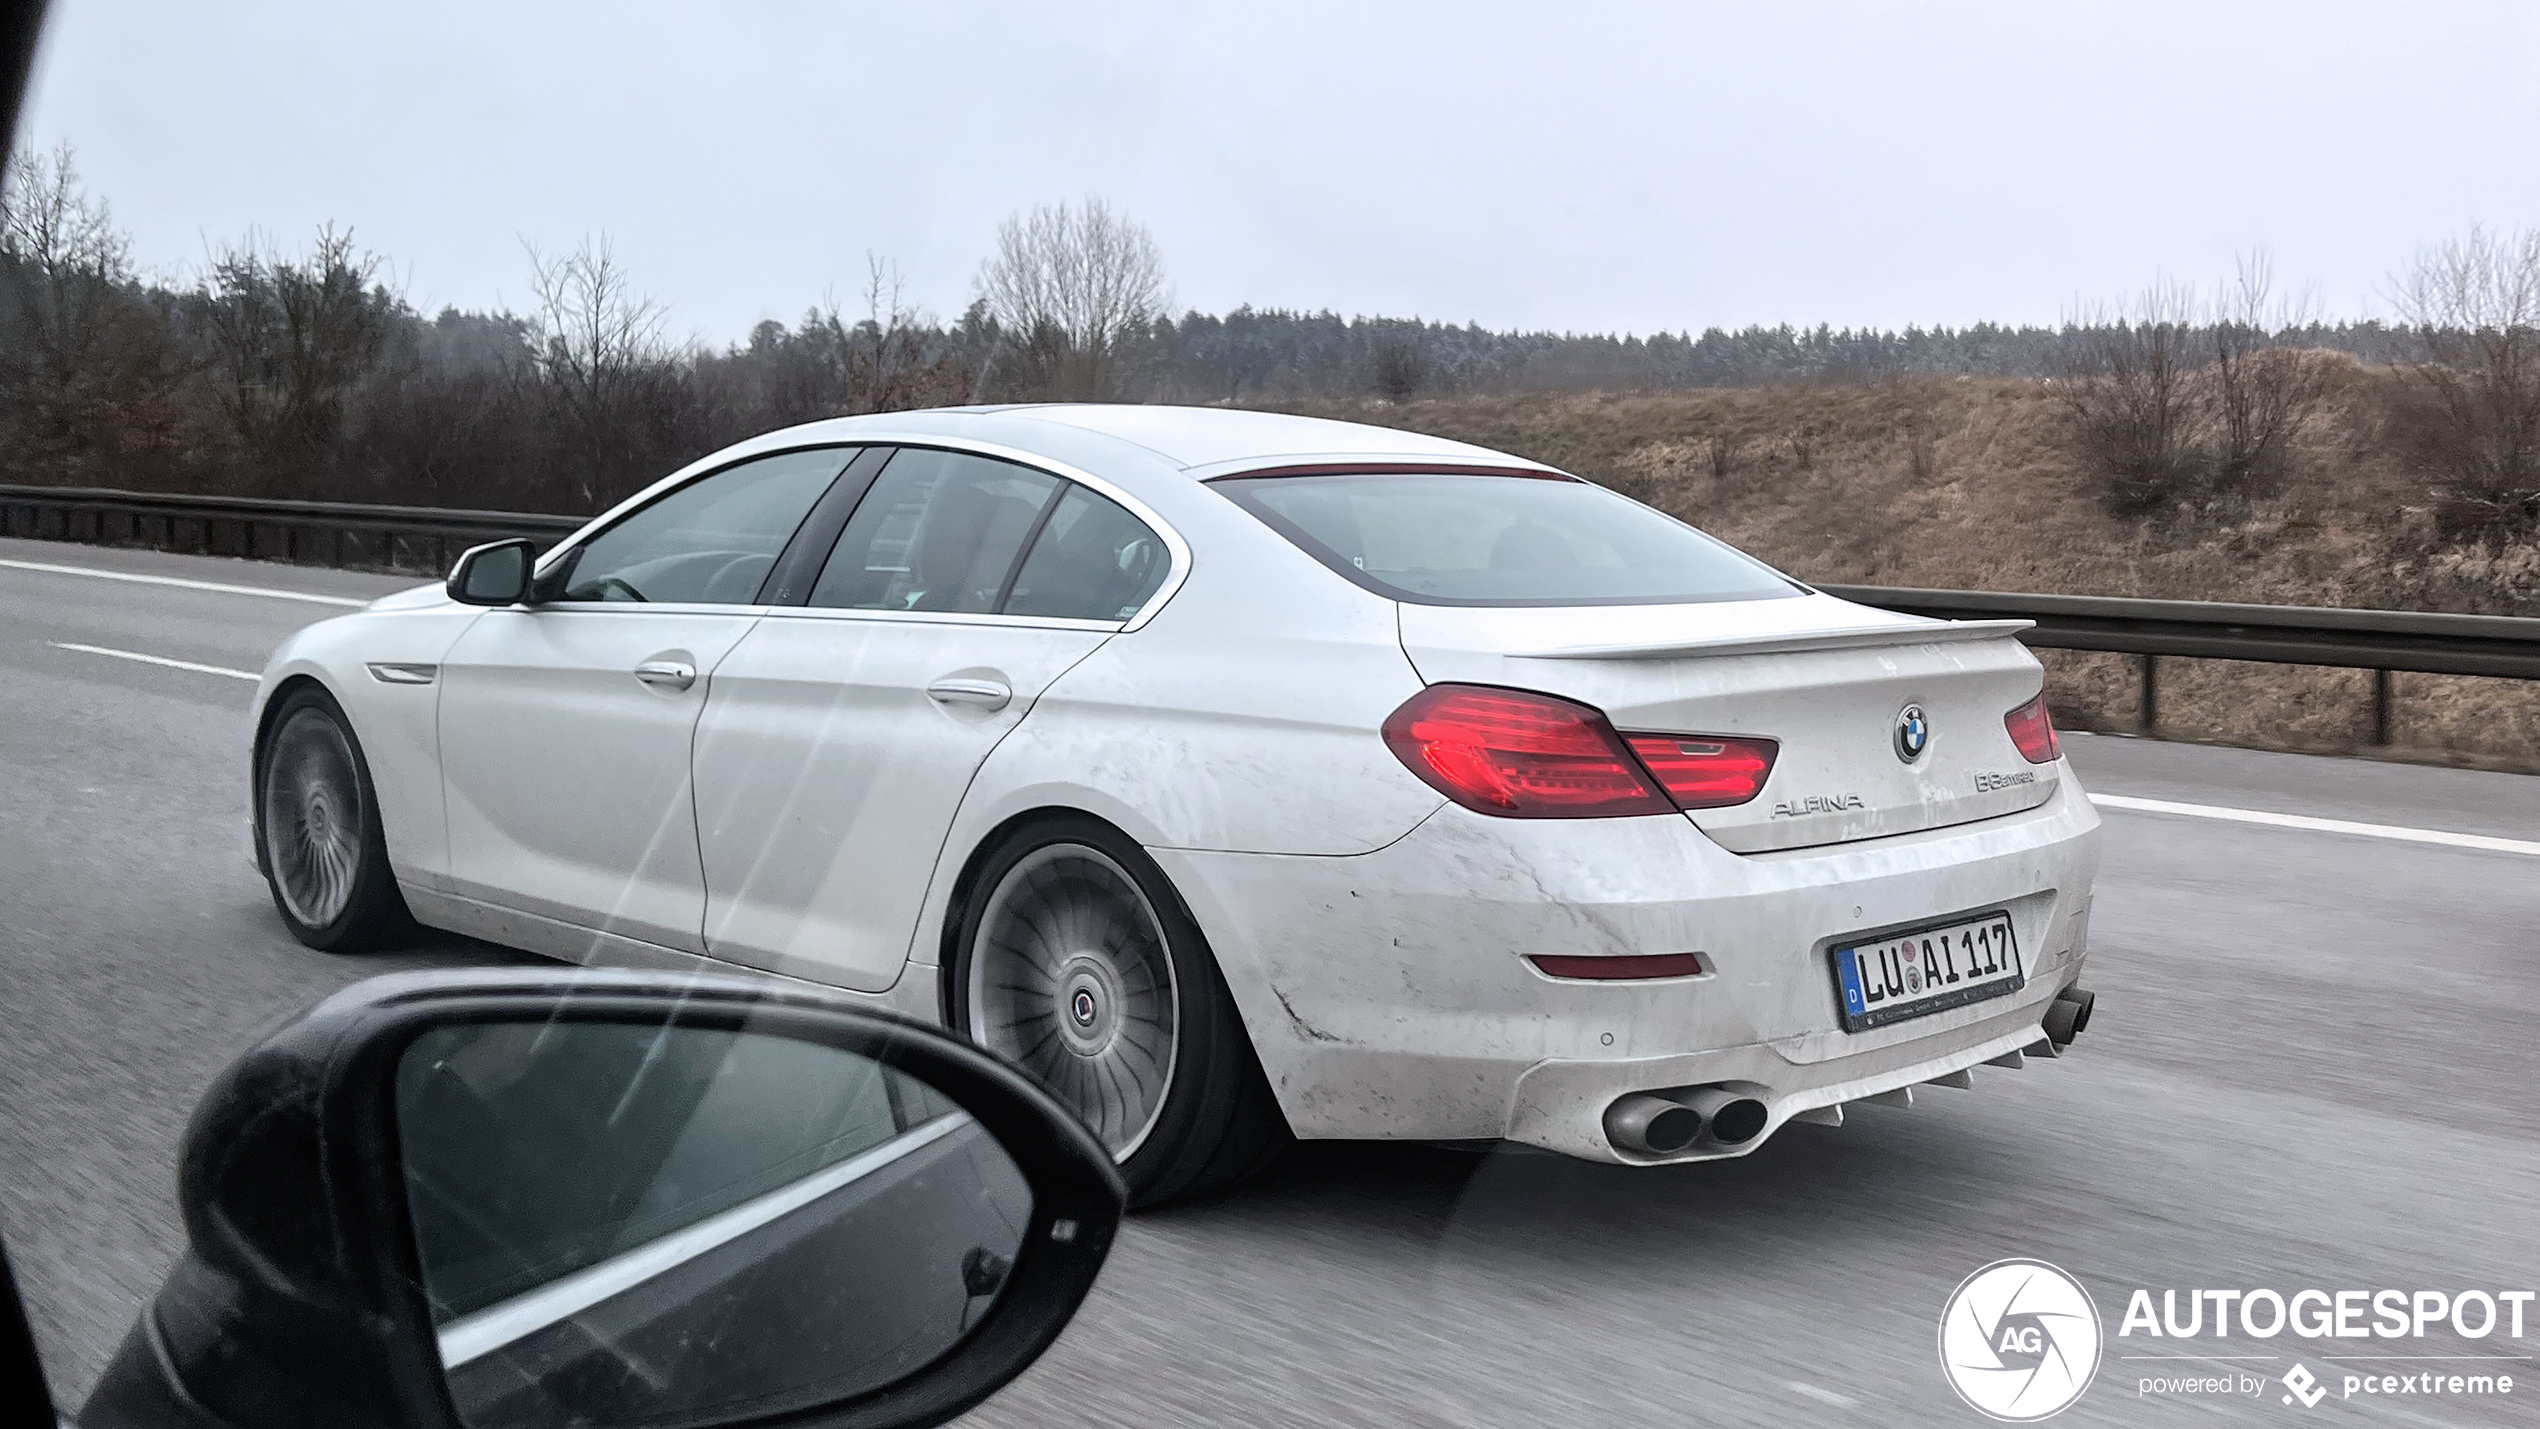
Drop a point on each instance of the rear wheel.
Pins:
(1075, 961)
(318, 830)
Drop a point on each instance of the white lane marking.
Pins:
(1823, 1396)
(156, 660)
(221, 586)
(2399, 832)
(476, 1335)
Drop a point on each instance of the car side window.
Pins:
(939, 531)
(711, 542)
(1091, 561)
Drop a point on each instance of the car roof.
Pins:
(1206, 437)
(1201, 441)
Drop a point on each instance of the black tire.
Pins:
(1082, 1017)
(318, 834)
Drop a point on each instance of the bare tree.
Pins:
(67, 265)
(2262, 390)
(290, 338)
(1072, 287)
(591, 329)
(598, 353)
(2475, 418)
(889, 365)
(2126, 381)
(885, 341)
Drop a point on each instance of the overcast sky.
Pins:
(1584, 167)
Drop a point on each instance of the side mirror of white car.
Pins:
(496, 573)
(526, 1199)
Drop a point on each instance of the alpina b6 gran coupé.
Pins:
(1239, 776)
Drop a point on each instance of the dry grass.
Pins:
(1971, 483)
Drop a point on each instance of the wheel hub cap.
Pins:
(1090, 991)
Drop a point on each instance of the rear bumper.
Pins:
(1389, 996)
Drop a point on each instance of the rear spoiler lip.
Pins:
(1854, 637)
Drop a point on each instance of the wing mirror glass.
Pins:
(496, 573)
(620, 1224)
(531, 1199)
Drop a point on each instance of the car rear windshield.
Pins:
(1488, 539)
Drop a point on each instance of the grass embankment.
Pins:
(1973, 483)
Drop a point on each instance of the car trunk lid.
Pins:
(1834, 683)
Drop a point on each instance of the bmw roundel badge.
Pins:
(1913, 733)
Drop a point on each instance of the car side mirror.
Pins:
(532, 1198)
(496, 573)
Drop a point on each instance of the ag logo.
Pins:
(1913, 733)
(2019, 1340)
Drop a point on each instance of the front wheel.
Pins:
(1075, 961)
(318, 831)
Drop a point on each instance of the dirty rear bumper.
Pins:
(1389, 996)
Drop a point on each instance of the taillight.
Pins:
(2033, 731)
(1706, 771)
(1520, 755)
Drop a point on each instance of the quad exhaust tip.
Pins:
(2068, 1016)
(1651, 1125)
(1735, 1120)
(1665, 1123)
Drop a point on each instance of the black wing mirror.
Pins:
(496, 573)
(526, 1199)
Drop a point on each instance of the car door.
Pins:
(841, 734)
(565, 722)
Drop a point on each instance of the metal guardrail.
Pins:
(418, 539)
(2503, 645)
(425, 539)
(2381, 641)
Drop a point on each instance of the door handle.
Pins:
(986, 694)
(667, 674)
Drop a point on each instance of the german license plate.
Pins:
(1909, 974)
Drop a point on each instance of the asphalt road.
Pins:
(2312, 1067)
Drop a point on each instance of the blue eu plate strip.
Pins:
(1847, 968)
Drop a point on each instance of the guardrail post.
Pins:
(2380, 707)
(2147, 702)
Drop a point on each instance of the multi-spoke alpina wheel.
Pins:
(1074, 960)
(313, 817)
(1069, 978)
(317, 828)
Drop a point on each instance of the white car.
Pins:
(1239, 775)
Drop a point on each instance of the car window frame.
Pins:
(1049, 517)
(1014, 563)
(1177, 550)
(558, 563)
(798, 565)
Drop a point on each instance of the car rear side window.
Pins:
(1092, 561)
(939, 531)
(710, 542)
(1500, 540)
